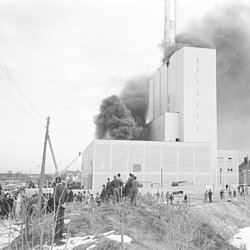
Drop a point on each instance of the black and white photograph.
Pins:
(124, 124)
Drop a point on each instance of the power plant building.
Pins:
(182, 124)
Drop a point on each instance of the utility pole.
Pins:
(41, 184)
(53, 156)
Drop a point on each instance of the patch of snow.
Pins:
(8, 232)
(66, 221)
(75, 241)
(110, 232)
(92, 246)
(118, 238)
(72, 242)
(242, 239)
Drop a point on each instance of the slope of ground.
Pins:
(150, 225)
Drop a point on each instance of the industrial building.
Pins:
(244, 172)
(182, 125)
(182, 131)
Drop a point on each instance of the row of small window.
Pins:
(137, 168)
(221, 158)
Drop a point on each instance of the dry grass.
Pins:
(150, 225)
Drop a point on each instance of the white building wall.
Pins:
(88, 161)
(227, 167)
(164, 128)
(172, 127)
(147, 160)
(192, 90)
(158, 98)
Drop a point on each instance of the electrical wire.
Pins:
(15, 101)
(14, 92)
(17, 87)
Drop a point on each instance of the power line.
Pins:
(17, 87)
(8, 92)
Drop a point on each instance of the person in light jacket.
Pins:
(134, 190)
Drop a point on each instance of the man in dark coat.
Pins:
(109, 189)
(128, 185)
(103, 194)
(210, 196)
(61, 197)
(70, 195)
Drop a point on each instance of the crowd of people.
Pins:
(227, 192)
(113, 191)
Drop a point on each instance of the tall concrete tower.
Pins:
(170, 23)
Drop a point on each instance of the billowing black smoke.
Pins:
(124, 117)
(227, 29)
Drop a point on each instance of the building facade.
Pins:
(227, 167)
(182, 125)
(152, 162)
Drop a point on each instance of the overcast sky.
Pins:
(61, 58)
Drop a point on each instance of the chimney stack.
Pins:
(170, 23)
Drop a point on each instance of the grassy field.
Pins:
(151, 225)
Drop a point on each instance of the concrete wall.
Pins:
(88, 161)
(158, 94)
(164, 128)
(192, 90)
(227, 167)
(188, 87)
(172, 127)
(192, 87)
(151, 162)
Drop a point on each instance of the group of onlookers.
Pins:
(116, 189)
(168, 198)
(232, 193)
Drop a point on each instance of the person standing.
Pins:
(171, 199)
(162, 197)
(234, 193)
(121, 187)
(71, 194)
(134, 190)
(185, 198)
(221, 194)
(109, 189)
(128, 185)
(103, 194)
(61, 197)
(167, 197)
(210, 195)
(116, 187)
(205, 196)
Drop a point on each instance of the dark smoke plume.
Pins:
(124, 117)
(226, 30)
